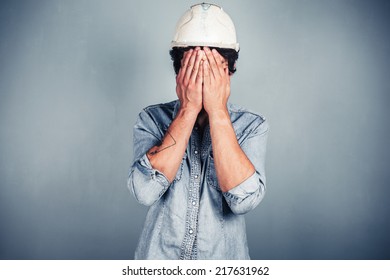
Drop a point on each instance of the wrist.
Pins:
(188, 112)
(218, 114)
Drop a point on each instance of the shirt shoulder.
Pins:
(161, 114)
(167, 108)
(246, 121)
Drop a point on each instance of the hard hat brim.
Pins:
(234, 46)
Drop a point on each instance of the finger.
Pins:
(190, 65)
(199, 76)
(184, 63)
(220, 61)
(206, 73)
(213, 64)
(186, 57)
(195, 69)
(218, 57)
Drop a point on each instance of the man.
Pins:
(199, 161)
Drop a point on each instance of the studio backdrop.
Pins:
(75, 74)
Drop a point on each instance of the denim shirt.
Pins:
(191, 218)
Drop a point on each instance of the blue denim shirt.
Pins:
(191, 218)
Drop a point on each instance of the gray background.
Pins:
(75, 74)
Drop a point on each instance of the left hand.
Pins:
(216, 82)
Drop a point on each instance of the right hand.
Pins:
(189, 80)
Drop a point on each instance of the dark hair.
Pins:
(229, 54)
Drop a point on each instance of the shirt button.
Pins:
(191, 231)
(196, 152)
(196, 176)
(194, 203)
(196, 128)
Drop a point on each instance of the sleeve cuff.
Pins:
(246, 196)
(147, 184)
(154, 173)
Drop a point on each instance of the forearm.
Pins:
(167, 157)
(231, 164)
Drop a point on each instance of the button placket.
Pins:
(195, 193)
(192, 208)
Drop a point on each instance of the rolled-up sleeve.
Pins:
(146, 183)
(247, 195)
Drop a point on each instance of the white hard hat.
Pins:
(205, 25)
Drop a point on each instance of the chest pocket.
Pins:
(212, 179)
